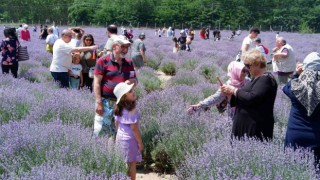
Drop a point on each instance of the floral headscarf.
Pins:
(306, 88)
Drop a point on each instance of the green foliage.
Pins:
(190, 64)
(150, 81)
(169, 68)
(168, 152)
(69, 116)
(304, 28)
(183, 79)
(17, 112)
(153, 63)
(209, 72)
(285, 15)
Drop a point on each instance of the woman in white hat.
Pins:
(127, 121)
(25, 33)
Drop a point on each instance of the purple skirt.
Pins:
(130, 149)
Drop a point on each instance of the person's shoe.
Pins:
(269, 62)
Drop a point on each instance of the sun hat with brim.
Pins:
(121, 40)
(121, 89)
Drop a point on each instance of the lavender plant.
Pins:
(150, 81)
(22, 148)
(45, 129)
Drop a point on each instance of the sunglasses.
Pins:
(248, 66)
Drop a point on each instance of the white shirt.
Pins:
(248, 41)
(55, 31)
(76, 69)
(51, 38)
(61, 60)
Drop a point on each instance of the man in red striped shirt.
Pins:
(109, 71)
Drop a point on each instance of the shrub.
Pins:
(248, 159)
(209, 72)
(149, 80)
(184, 78)
(190, 64)
(55, 143)
(153, 63)
(169, 68)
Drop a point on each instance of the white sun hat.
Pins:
(121, 89)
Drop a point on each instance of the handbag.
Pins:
(23, 54)
(91, 72)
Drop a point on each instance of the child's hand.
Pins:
(140, 146)
(81, 84)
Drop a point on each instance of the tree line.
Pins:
(290, 15)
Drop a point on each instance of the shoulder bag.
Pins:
(23, 54)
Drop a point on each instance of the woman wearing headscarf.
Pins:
(138, 52)
(254, 102)
(237, 78)
(9, 48)
(303, 129)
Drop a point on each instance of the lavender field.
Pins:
(46, 132)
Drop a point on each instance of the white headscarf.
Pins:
(306, 88)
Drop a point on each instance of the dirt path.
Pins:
(154, 176)
(141, 175)
(163, 77)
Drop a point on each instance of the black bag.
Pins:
(23, 54)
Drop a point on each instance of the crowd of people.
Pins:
(248, 95)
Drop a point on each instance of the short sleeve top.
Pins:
(127, 118)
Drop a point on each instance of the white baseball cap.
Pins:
(121, 89)
(120, 40)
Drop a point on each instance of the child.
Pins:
(75, 72)
(176, 45)
(127, 122)
(261, 47)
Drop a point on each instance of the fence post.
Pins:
(229, 27)
(181, 25)
(82, 23)
(155, 25)
(219, 25)
(60, 23)
(138, 25)
(260, 28)
(281, 29)
(146, 25)
(239, 26)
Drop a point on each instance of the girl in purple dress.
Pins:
(127, 121)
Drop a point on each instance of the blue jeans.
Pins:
(62, 78)
(105, 124)
(74, 83)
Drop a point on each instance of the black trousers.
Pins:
(13, 68)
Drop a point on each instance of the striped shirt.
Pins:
(113, 73)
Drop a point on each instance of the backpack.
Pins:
(266, 50)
